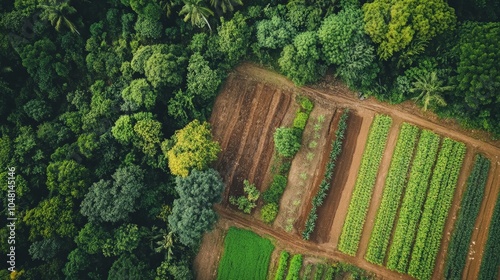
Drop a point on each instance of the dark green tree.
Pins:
(192, 213)
(109, 201)
(57, 12)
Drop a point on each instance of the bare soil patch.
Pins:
(304, 172)
(329, 208)
(352, 174)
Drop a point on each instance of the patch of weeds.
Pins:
(313, 144)
(303, 176)
(310, 156)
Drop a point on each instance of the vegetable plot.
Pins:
(469, 209)
(437, 204)
(372, 156)
(409, 214)
(393, 189)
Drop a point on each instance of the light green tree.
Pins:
(193, 148)
(404, 25)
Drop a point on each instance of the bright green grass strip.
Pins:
(409, 214)
(393, 189)
(367, 175)
(467, 215)
(491, 258)
(437, 204)
(246, 256)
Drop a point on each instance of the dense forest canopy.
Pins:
(92, 93)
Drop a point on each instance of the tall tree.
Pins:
(225, 5)
(56, 12)
(196, 11)
(430, 89)
(193, 148)
(109, 201)
(406, 25)
(192, 213)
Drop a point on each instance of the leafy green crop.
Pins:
(358, 207)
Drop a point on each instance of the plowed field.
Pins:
(254, 102)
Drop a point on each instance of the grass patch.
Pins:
(246, 256)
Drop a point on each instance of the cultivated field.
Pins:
(409, 166)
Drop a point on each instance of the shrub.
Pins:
(278, 185)
(306, 104)
(269, 212)
(300, 120)
(246, 203)
(286, 141)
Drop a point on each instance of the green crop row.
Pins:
(409, 213)
(246, 256)
(325, 183)
(437, 204)
(294, 269)
(282, 265)
(393, 189)
(358, 206)
(469, 209)
(491, 257)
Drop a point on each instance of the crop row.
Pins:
(469, 208)
(409, 214)
(491, 258)
(246, 255)
(282, 265)
(393, 189)
(437, 204)
(325, 183)
(358, 206)
(294, 269)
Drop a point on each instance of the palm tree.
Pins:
(196, 12)
(56, 12)
(225, 5)
(430, 88)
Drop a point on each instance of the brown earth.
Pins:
(325, 156)
(255, 101)
(303, 175)
(352, 172)
(329, 208)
